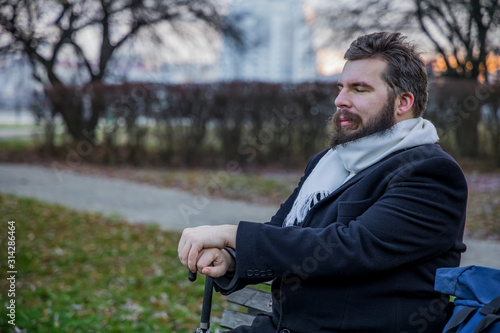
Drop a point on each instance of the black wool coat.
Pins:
(365, 257)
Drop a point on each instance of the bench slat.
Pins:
(232, 319)
(247, 303)
(252, 299)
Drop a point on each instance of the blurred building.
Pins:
(279, 48)
(278, 43)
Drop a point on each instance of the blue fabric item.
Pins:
(477, 303)
(474, 283)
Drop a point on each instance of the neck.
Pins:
(405, 116)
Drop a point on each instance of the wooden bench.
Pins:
(245, 304)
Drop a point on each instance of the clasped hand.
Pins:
(201, 246)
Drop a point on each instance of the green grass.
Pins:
(80, 272)
(17, 145)
(18, 126)
(11, 146)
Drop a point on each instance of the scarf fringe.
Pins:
(299, 213)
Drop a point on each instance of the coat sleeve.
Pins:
(418, 217)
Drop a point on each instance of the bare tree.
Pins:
(51, 33)
(463, 32)
(465, 24)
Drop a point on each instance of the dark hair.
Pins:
(405, 71)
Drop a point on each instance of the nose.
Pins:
(342, 100)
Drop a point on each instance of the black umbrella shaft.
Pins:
(207, 303)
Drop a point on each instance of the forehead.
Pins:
(368, 71)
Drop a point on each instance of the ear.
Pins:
(404, 104)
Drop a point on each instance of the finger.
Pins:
(184, 256)
(215, 271)
(207, 256)
(182, 242)
(181, 247)
(183, 253)
(212, 263)
(192, 258)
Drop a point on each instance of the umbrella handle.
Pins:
(207, 302)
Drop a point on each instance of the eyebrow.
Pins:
(357, 84)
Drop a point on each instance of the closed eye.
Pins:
(358, 87)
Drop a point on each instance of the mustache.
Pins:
(345, 115)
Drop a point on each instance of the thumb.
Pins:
(214, 271)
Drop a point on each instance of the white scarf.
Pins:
(342, 163)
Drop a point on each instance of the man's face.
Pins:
(364, 104)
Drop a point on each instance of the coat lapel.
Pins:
(335, 194)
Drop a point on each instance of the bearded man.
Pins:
(356, 246)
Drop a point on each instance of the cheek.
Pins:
(369, 110)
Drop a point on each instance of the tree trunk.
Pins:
(468, 113)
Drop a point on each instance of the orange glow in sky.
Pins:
(329, 62)
(309, 13)
(492, 63)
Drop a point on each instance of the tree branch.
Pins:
(420, 17)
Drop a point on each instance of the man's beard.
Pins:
(381, 124)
